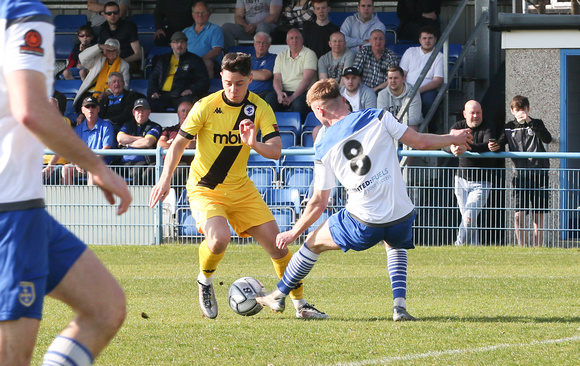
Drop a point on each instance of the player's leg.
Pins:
(211, 252)
(17, 339)
(299, 266)
(265, 234)
(99, 305)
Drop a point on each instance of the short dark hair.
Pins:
(520, 102)
(429, 30)
(397, 69)
(238, 62)
(112, 3)
(87, 29)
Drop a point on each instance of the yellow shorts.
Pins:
(243, 208)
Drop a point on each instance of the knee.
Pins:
(217, 242)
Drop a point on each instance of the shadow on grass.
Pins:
(467, 319)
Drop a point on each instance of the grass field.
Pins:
(477, 306)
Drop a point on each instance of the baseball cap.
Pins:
(142, 102)
(351, 71)
(90, 101)
(178, 36)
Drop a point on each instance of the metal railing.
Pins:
(83, 209)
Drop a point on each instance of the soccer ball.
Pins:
(242, 296)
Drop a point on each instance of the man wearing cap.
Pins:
(356, 93)
(332, 64)
(138, 133)
(96, 133)
(205, 39)
(178, 76)
(101, 60)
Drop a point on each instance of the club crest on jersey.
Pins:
(26, 294)
(32, 43)
(249, 110)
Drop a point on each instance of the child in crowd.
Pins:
(74, 69)
(531, 179)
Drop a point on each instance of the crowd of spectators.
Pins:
(354, 53)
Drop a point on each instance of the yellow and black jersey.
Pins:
(221, 157)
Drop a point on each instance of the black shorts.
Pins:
(531, 190)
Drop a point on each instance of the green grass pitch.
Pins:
(477, 306)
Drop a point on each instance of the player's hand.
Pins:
(248, 132)
(113, 185)
(158, 193)
(285, 238)
(462, 137)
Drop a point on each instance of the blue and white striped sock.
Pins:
(65, 351)
(299, 266)
(397, 264)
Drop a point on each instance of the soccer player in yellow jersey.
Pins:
(219, 190)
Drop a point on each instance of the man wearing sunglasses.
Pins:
(125, 31)
(96, 8)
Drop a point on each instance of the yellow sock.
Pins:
(208, 261)
(280, 266)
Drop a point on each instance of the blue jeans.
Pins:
(471, 198)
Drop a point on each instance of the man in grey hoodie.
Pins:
(358, 94)
(357, 28)
(393, 97)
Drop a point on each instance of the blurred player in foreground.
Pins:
(38, 256)
(358, 151)
(226, 124)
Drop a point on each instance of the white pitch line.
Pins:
(457, 352)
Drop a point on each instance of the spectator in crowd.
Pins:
(116, 105)
(473, 178)
(531, 180)
(125, 31)
(357, 28)
(295, 14)
(358, 95)
(205, 39)
(414, 60)
(138, 133)
(262, 65)
(393, 97)
(251, 16)
(74, 69)
(101, 60)
(178, 76)
(294, 72)
(317, 33)
(375, 61)
(61, 101)
(168, 136)
(96, 133)
(53, 163)
(416, 14)
(331, 64)
(96, 9)
(170, 16)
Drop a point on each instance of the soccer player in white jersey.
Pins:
(38, 256)
(358, 150)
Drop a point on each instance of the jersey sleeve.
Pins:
(394, 127)
(267, 123)
(30, 46)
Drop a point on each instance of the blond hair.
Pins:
(325, 89)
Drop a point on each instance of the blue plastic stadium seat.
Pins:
(153, 52)
(259, 160)
(145, 22)
(400, 48)
(139, 85)
(297, 171)
(289, 123)
(69, 23)
(215, 85)
(63, 45)
(263, 178)
(284, 198)
(244, 49)
(147, 42)
(70, 88)
(284, 218)
(309, 124)
(389, 19)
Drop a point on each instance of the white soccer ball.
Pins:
(242, 296)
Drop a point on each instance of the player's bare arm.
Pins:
(174, 154)
(315, 207)
(271, 149)
(30, 106)
(427, 141)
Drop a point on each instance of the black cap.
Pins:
(90, 101)
(142, 102)
(351, 71)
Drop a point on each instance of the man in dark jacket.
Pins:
(177, 77)
(473, 179)
(117, 102)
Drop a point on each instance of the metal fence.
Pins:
(285, 186)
